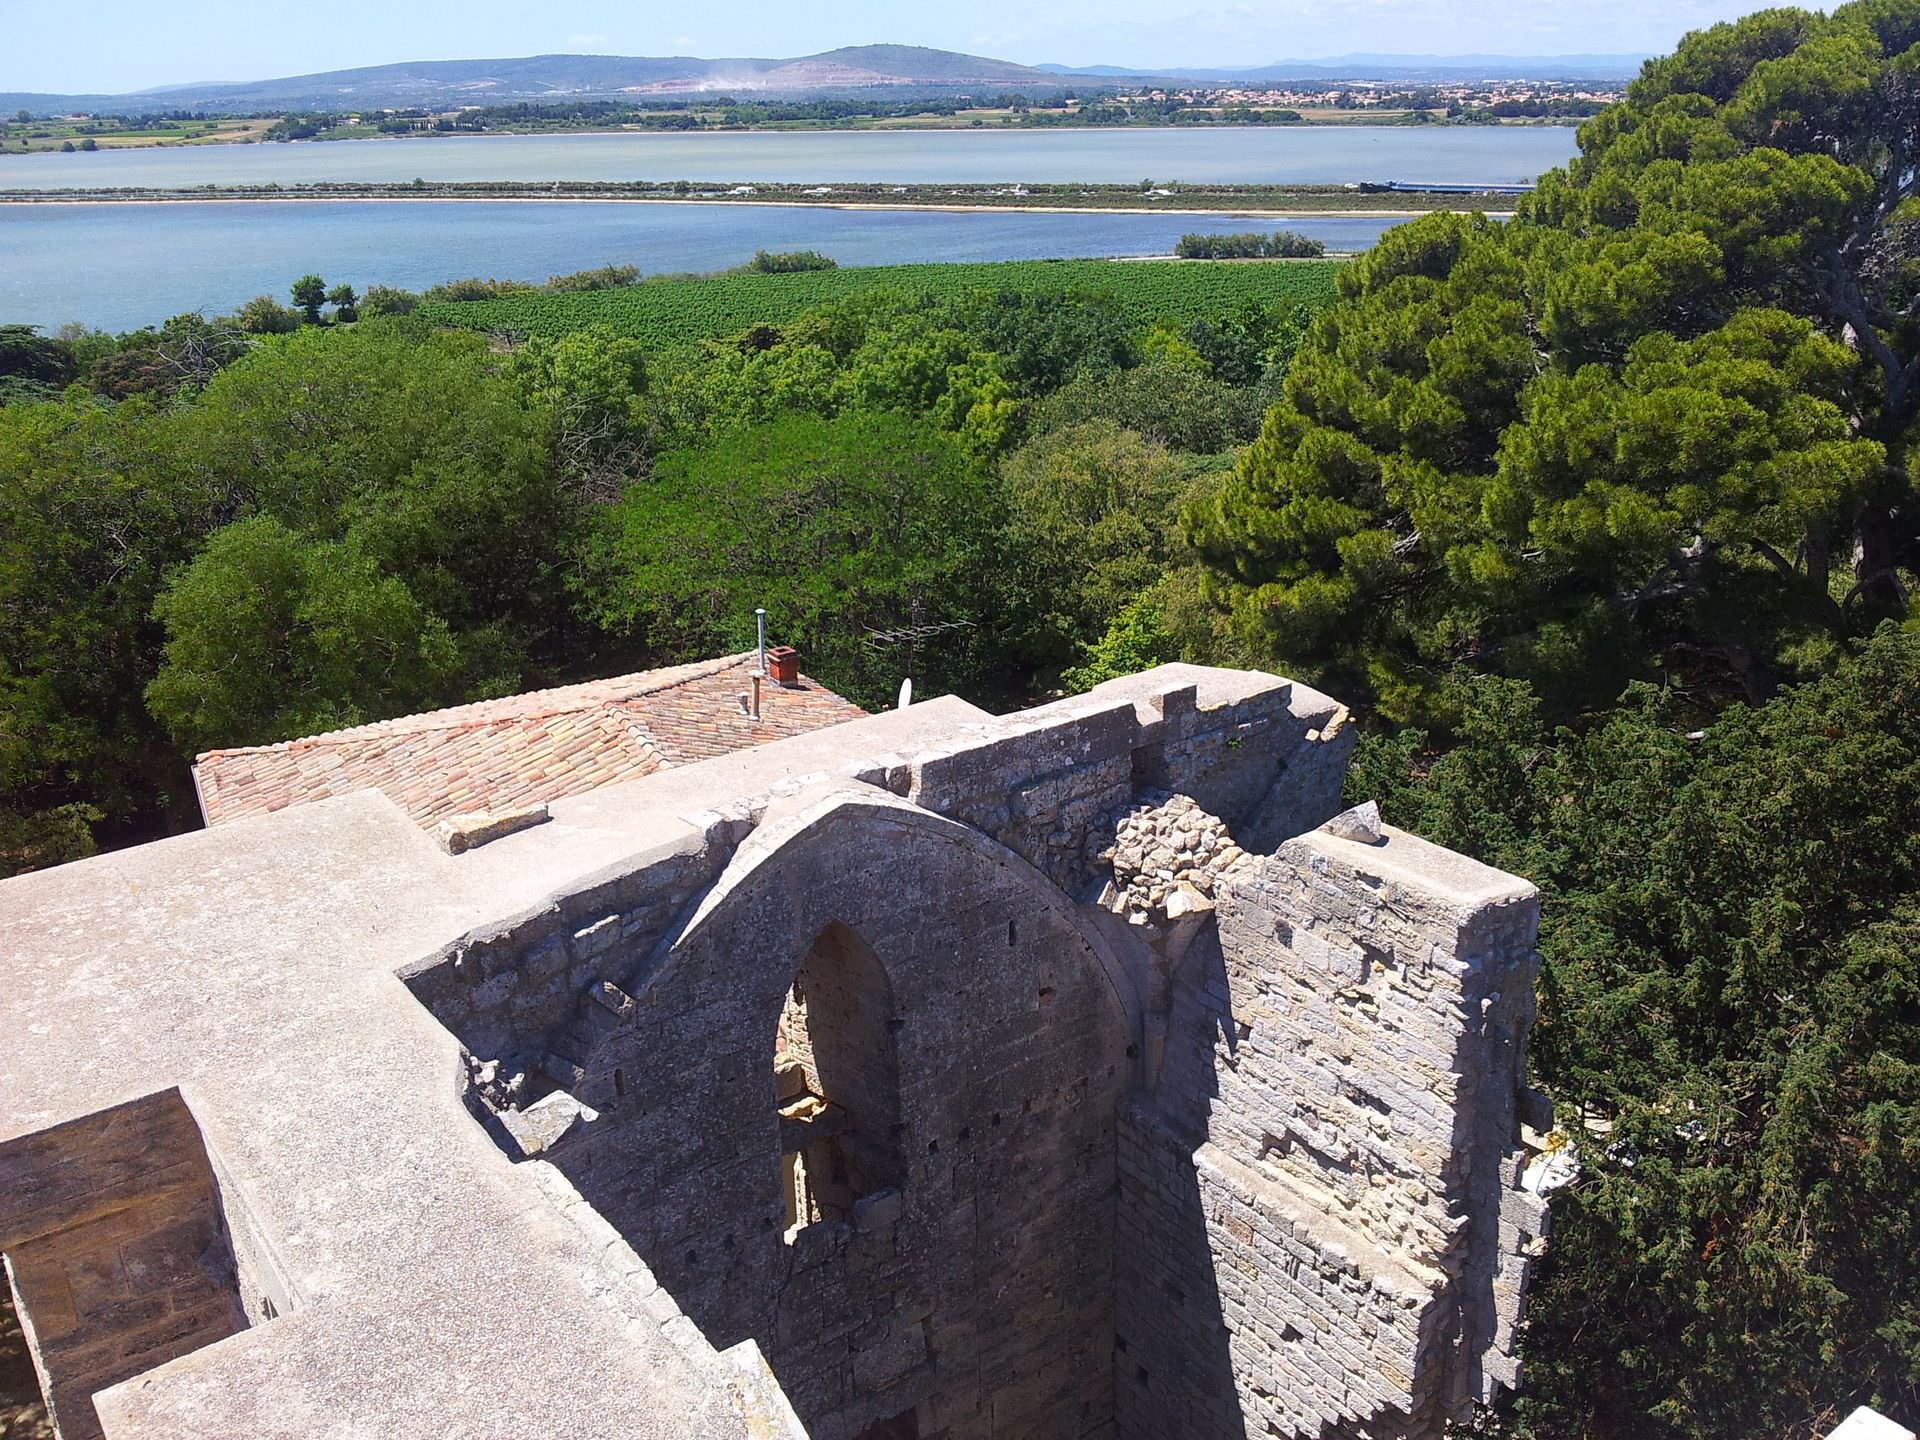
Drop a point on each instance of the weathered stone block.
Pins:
(460, 833)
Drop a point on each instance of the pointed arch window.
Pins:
(837, 1081)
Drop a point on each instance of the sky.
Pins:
(108, 46)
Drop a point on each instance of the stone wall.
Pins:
(117, 1250)
(518, 994)
(1190, 1139)
(1044, 782)
(1333, 1171)
(975, 1292)
(1041, 782)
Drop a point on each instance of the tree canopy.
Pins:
(1730, 1030)
(271, 635)
(348, 524)
(1660, 422)
(1091, 503)
(220, 532)
(867, 522)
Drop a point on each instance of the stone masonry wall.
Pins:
(116, 1249)
(520, 994)
(977, 1294)
(1047, 778)
(523, 995)
(1345, 1153)
(1284, 1085)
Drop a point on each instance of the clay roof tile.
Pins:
(520, 749)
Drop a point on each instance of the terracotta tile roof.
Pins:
(523, 749)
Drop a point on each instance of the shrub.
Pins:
(1250, 245)
(386, 300)
(475, 288)
(607, 277)
(790, 262)
(264, 315)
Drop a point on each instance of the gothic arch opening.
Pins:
(837, 1081)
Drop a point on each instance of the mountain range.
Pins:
(900, 69)
(444, 84)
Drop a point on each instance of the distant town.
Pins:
(1502, 100)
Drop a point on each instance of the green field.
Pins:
(669, 312)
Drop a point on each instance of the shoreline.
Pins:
(1255, 211)
(1249, 214)
(648, 132)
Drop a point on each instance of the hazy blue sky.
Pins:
(111, 45)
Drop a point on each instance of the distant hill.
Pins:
(448, 83)
(445, 84)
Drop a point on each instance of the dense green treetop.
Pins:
(1176, 405)
(406, 477)
(1094, 502)
(592, 383)
(270, 635)
(839, 527)
(264, 315)
(1730, 1029)
(417, 446)
(310, 293)
(1663, 418)
(183, 354)
(26, 354)
(92, 512)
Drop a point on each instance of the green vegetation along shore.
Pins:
(676, 311)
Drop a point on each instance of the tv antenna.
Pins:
(906, 637)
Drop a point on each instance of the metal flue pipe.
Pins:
(760, 671)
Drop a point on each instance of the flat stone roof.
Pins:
(437, 1289)
(1408, 860)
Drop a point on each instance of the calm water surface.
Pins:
(1303, 155)
(1252, 156)
(122, 266)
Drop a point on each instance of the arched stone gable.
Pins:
(982, 1285)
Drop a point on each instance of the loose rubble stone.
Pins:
(1360, 824)
(458, 834)
(1165, 856)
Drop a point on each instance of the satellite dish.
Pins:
(906, 692)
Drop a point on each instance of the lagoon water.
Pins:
(122, 266)
(1300, 155)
